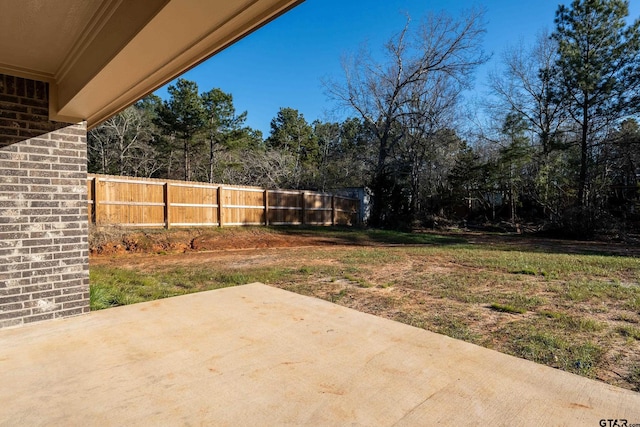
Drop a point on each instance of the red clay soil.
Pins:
(117, 241)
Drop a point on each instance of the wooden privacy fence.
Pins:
(143, 202)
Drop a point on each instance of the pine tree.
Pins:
(599, 62)
(182, 116)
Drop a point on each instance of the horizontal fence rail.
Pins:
(147, 202)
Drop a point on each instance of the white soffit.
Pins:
(180, 36)
(100, 56)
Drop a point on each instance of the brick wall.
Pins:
(43, 209)
(24, 109)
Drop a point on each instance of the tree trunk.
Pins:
(377, 187)
(211, 144)
(377, 209)
(582, 183)
(212, 141)
(103, 160)
(512, 196)
(186, 160)
(121, 163)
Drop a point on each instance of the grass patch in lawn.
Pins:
(633, 302)
(335, 297)
(634, 377)
(527, 271)
(306, 270)
(523, 299)
(368, 236)
(396, 237)
(626, 317)
(113, 286)
(549, 265)
(453, 286)
(456, 291)
(572, 323)
(541, 345)
(629, 332)
(452, 326)
(585, 289)
(506, 308)
(458, 330)
(370, 256)
(358, 280)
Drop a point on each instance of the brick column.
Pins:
(44, 267)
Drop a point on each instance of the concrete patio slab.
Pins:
(257, 355)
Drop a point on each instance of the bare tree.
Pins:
(263, 168)
(385, 93)
(429, 144)
(526, 86)
(99, 150)
(120, 145)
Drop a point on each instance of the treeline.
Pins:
(559, 145)
(198, 136)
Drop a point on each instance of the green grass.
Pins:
(572, 323)
(367, 236)
(554, 348)
(551, 265)
(526, 270)
(584, 289)
(363, 283)
(455, 326)
(338, 296)
(113, 286)
(521, 298)
(634, 377)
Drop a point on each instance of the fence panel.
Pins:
(242, 206)
(285, 207)
(346, 211)
(192, 204)
(145, 202)
(129, 202)
(318, 210)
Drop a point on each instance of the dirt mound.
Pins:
(109, 240)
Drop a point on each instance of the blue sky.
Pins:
(283, 63)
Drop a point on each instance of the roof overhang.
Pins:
(99, 56)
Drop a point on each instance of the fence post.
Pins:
(266, 208)
(96, 200)
(167, 208)
(93, 200)
(220, 206)
(333, 210)
(304, 208)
